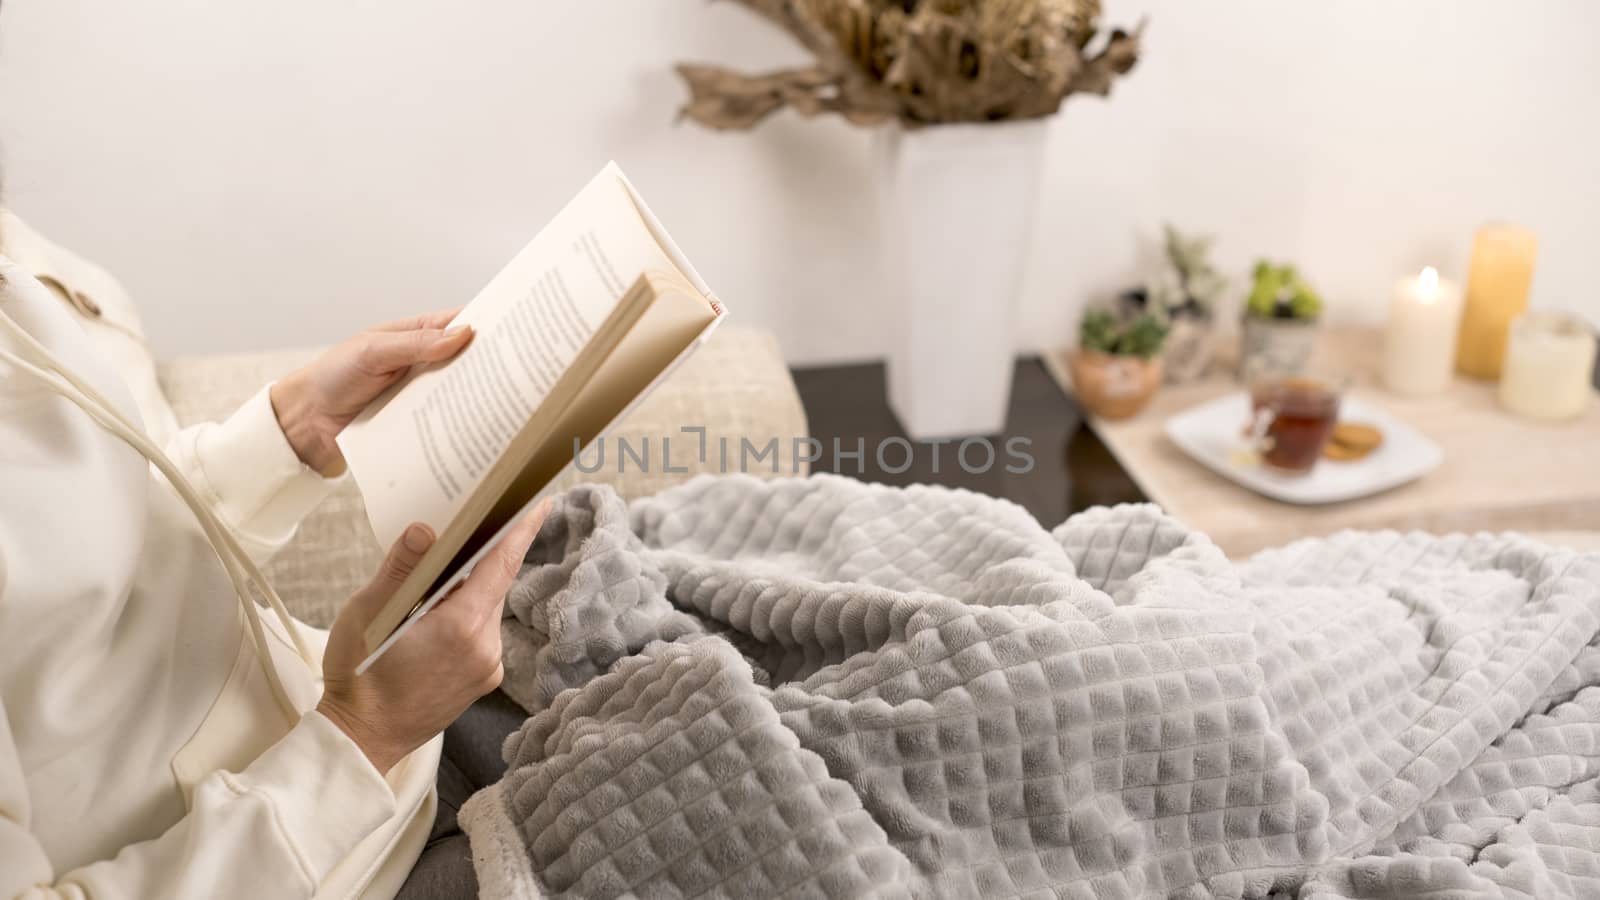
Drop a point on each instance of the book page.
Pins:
(418, 452)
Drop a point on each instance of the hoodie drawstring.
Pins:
(241, 569)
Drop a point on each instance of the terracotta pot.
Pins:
(1114, 387)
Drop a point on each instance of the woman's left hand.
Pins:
(316, 402)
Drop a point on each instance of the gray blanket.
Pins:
(826, 688)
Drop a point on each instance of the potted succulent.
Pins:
(1280, 319)
(1117, 367)
(1184, 291)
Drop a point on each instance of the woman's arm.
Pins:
(277, 827)
(273, 830)
(247, 470)
(275, 459)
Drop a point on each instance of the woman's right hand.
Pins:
(448, 659)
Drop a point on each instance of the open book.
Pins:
(578, 327)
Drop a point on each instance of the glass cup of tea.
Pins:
(1292, 415)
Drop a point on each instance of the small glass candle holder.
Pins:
(1549, 366)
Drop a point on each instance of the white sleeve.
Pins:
(245, 468)
(274, 830)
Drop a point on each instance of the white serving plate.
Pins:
(1212, 433)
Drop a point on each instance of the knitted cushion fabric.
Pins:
(736, 388)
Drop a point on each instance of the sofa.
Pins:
(736, 387)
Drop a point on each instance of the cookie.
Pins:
(1355, 436)
(1351, 441)
(1341, 453)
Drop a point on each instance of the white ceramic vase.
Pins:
(957, 211)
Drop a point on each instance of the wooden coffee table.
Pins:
(1500, 473)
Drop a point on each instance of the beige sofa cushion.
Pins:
(736, 387)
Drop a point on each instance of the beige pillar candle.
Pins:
(1549, 366)
(1419, 344)
(1497, 292)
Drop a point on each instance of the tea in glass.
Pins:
(1292, 419)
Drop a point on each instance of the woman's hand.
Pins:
(316, 402)
(448, 659)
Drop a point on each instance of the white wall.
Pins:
(264, 174)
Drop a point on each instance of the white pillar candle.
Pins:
(1549, 367)
(1419, 345)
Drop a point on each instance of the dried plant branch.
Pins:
(726, 100)
(1117, 58)
(920, 61)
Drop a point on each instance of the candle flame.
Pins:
(1429, 280)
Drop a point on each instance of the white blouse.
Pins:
(142, 753)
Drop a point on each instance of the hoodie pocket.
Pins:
(236, 729)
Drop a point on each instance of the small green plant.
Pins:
(1280, 293)
(1187, 285)
(1141, 335)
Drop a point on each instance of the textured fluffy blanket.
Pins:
(824, 688)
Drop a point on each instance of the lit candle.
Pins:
(1419, 346)
(1497, 292)
(1549, 366)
